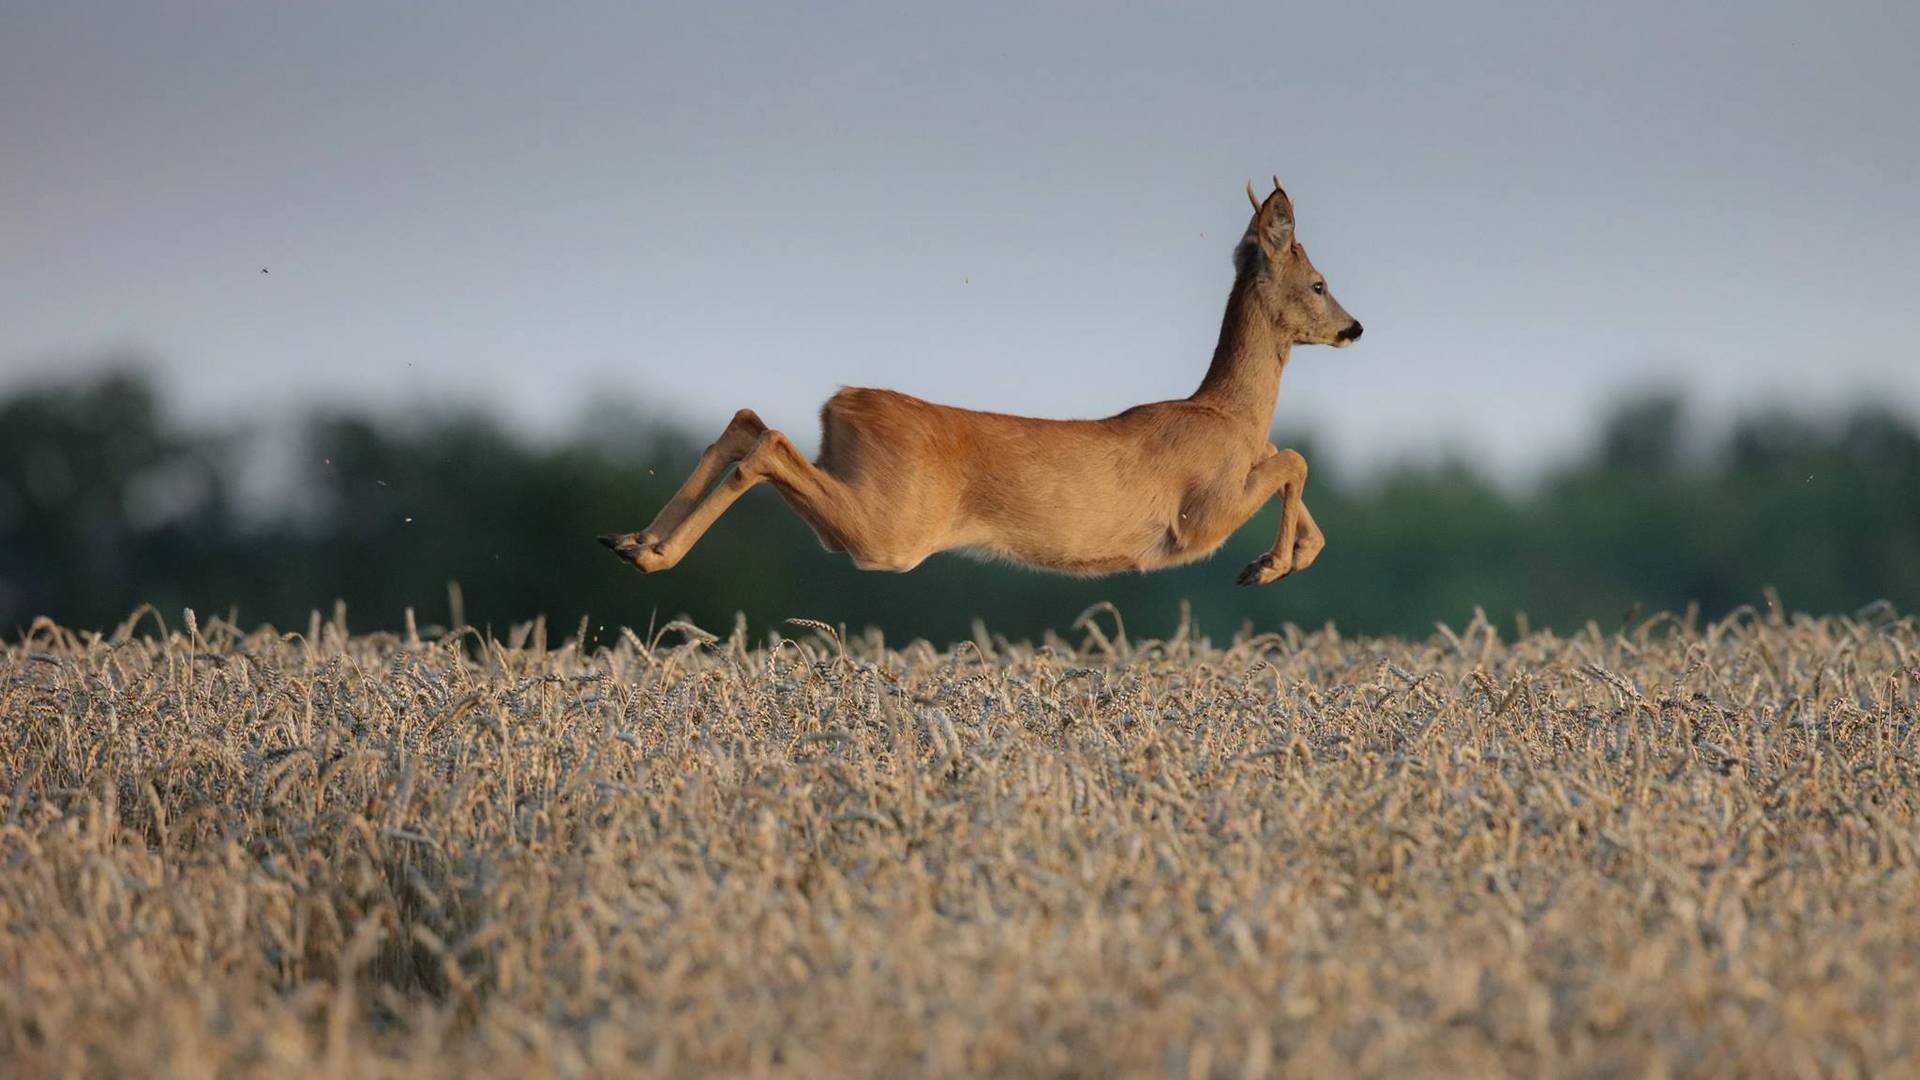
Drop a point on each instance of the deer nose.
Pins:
(1352, 333)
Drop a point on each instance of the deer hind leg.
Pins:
(733, 444)
(860, 522)
(1282, 474)
(834, 510)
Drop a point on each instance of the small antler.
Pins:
(1251, 197)
(1282, 191)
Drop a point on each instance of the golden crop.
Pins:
(1682, 848)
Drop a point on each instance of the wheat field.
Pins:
(1683, 848)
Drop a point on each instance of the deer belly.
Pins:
(1087, 544)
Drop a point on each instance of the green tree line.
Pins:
(108, 500)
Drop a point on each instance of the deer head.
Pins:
(1292, 294)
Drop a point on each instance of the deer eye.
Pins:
(1320, 288)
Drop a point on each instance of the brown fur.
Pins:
(1158, 485)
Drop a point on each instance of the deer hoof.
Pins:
(1262, 571)
(624, 545)
(643, 551)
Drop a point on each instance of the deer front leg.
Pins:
(1283, 474)
(1309, 543)
(733, 444)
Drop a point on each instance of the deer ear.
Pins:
(1274, 223)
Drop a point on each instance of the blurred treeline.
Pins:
(108, 501)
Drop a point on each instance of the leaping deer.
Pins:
(1158, 485)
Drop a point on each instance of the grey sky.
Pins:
(1531, 206)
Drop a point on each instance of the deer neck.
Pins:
(1244, 379)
